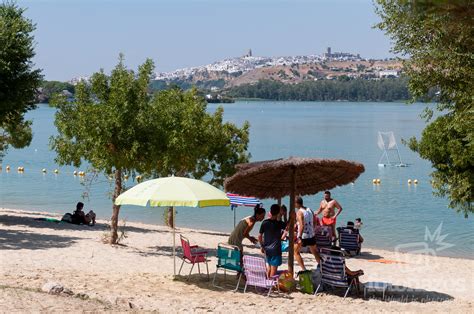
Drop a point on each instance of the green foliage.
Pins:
(18, 81)
(50, 88)
(438, 36)
(326, 90)
(119, 128)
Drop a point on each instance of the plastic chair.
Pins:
(228, 259)
(193, 255)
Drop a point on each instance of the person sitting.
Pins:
(351, 226)
(335, 250)
(271, 233)
(243, 228)
(79, 217)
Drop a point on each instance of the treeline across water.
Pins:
(391, 89)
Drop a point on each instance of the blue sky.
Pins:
(78, 37)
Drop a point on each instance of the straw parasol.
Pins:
(290, 177)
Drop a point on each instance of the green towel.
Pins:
(49, 219)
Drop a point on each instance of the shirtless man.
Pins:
(327, 207)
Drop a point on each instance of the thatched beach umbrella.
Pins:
(290, 177)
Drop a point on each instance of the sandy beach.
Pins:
(137, 275)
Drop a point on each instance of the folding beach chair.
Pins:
(349, 240)
(323, 235)
(256, 274)
(192, 255)
(333, 271)
(228, 259)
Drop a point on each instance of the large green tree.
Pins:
(119, 128)
(437, 37)
(18, 80)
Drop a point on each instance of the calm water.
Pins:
(393, 213)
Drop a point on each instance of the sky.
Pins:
(79, 37)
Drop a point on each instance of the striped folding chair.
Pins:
(256, 274)
(349, 240)
(333, 271)
(323, 236)
(228, 259)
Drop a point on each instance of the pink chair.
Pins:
(192, 255)
(256, 274)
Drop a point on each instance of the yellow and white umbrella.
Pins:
(173, 191)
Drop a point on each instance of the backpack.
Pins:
(67, 218)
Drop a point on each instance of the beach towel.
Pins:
(385, 261)
(49, 220)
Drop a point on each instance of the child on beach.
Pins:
(271, 233)
(358, 224)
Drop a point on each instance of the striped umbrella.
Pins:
(238, 200)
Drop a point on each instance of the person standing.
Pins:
(305, 220)
(327, 207)
(243, 228)
(271, 233)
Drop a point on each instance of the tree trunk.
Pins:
(115, 208)
(170, 216)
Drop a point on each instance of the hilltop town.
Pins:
(248, 69)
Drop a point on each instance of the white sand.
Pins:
(137, 276)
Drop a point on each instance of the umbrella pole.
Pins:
(234, 208)
(291, 230)
(174, 243)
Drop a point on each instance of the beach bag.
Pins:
(67, 218)
(285, 244)
(305, 282)
(286, 283)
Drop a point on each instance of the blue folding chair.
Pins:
(349, 240)
(228, 259)
(323, 237)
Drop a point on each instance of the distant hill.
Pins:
(295, 69)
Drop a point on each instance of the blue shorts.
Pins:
(274, 260)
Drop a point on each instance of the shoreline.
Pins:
(137, 274)
(58, 215)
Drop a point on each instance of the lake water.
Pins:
(394, 213)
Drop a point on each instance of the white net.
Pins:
(386, 140)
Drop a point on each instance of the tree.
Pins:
(18, 81)
(120, 129)
(438, 38)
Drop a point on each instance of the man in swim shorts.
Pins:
(327, 207)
